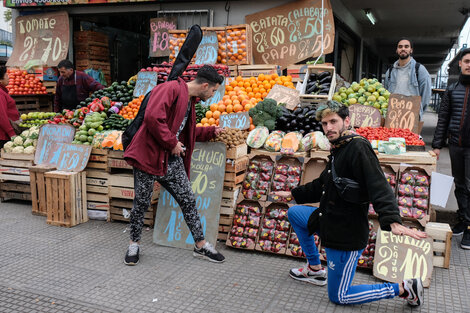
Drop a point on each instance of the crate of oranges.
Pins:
(238, 39)
(130, 111)
(258, 87)
(177, 37)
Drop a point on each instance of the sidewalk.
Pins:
(46, 268)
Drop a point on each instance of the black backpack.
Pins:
(417, 65)
(185, 55)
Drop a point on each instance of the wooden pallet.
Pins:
(15, 190)
(97, 194)
(98, 159)
(66, 198)
(225, 221)
(442, 237)
(38, 188)
(15, 170)
(120, 210)
(50, 86)
(229, 201)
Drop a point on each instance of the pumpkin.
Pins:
(291, 142)
(257, 137)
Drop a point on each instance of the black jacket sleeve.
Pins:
(440, 133)
(366, 168)
(310, 192)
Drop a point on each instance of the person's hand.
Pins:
(283, 194)
(437, 152)
(218, 130)
(399, 229)
(178, 150)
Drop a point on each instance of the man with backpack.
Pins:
(161, 151)
(408, 77)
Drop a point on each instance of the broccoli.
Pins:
(270, 124)
(265, 113)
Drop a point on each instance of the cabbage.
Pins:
(8, 147)
(18, 141)
(18, 149)
(29, 150)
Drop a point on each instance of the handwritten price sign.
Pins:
(146, 81)
(207, 173)
(159, 37)
(402, 257)
(364, 116)
(290, 33)
(403, 112)
(235, 120)
(47, 150)
(73, 158)
(207, 51)
(43, 38)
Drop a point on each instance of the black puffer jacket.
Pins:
(344, 225)
(454, 117)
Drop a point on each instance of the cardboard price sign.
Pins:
(218, 94)
(47, 152)
(235, 120)
(282, 94)
(290, 33)
(159, 37)
(400, 257)
(72, 157)
(41, 39)
(207, 171)
(146, 81)
(208, 48)
(403, 112)
(364, 116)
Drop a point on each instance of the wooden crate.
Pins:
(97, 187)
(120, 210)
(66, 198)
(225, 221)
(33, 103)
(14, 176)
(233, 70)
(248, 59)
(38, 188)
(98, 159)
(297, 72)
(117, 164)
(50, 86)
(255, 70)
(237, 152)
(319, 69)
(442, 235)
(15, 190)
(15, 170)
(229, 201)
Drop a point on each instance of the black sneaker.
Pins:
(465, 243)
(207, 251)
(132, 254)
(459, 228)
(414, 287)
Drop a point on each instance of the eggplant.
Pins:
(293, 123)
(287, 127)
(305, 111)
(310, 84)
(302, 131)
(313, 76)
(298, 111)
(318, 128)
(307, 127)
(300, 117)
(325, 80)
(282, 120)
(323, 75)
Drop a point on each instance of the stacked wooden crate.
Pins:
(92, 51)
(38, 188)
(235, 168)
(97, 185)
(14, 176)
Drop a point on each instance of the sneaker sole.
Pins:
(457, 234)
(201, 256)
(313, 281)
(131, 263)
(465, 247)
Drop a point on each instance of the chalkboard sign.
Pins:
(159, 37)
(402, 257)
(49, 134)
(219, 93)
(291, 33)
(41, 38)
(364, 116)
(208, 48)
(403, 112)
(207, 175)
(145, 83)
(72, 157)
(235, 120)
(282, 94)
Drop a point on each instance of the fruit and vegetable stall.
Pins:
(282, 147)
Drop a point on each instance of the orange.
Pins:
(227, 102)
(212, 121)
(267, 77)
(237, 108)
(251, 95)
(229, 108)
(209, 113)
(198, 125)
(249, 89)
(216, 115)
(239, 78)
(235, 102)
(223, 113)
(258, 95)
(204, 121)
(217, 122)
(252, 127)
(264, 95)
(261, 77)
(228, 88)
(233, 83)
(247, 106)
(224, 98)
(221, 108)
(213, 107)
(206, 124)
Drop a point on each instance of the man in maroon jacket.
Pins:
(161, 151)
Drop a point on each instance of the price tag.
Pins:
(48, 150)
(402, 257)
(403, 112)
(207, 171)
(146, 81)
(282, 94)
(364, 116)
(159, 37)
(72, 157)
(41, 38)
(235, 120)
(291, 33)
(207, 51)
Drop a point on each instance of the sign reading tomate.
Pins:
(41, 38)
(290, 33)
(159, 37)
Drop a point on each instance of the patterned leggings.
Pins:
(178, 185)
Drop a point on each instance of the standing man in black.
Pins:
(454, 124)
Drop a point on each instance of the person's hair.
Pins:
(331, 107)
(3, 71)
(407, 39)
(208, 74)
(463, 53)
(65, 63)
